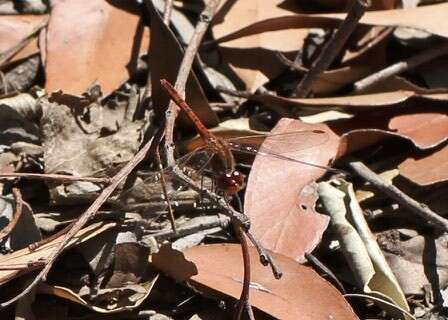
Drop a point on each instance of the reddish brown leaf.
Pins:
(297, 295)
(278, 198)
(426, 170)
(14, 29)
(166, 56)
(355, 103)
(93, 41)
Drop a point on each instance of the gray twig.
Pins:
(403, 199)
(401, 66)
(332, 47)
(167, 10)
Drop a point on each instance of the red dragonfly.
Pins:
(222, 160)
(220, 157)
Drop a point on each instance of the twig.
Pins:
(332, 48)
(182, 76)
(167, 10)
(17, 214)
(323, 268)
(193, 227)
(401, 66)
(244, 302)
(165, 192)
(51, 177)
(265, 257)
(88, 214)
(293, 65)
(403, 199)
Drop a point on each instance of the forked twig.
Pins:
(332, 48)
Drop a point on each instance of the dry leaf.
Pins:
(297, 295)
(14, 29)
(278, 197)
(25, 260)
(426, 170)
(95, 41)
(358, 244)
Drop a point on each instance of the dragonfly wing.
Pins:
(285, 142)
(147, 187)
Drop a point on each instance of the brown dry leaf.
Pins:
(253, 58)
(297, 295)
(357, 103)
(25, 260)
(14, 29)
(426, 170)
(124, 298)
(279, 199)
(430, 18)
(165, 57)
(95, 41)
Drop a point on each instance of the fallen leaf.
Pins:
(98, 41)
(166, 55)
(359, 103)
(428, 169)
(279, 200)
(124, 298)
(25, 260)
(358, 244)
(17, 28)
(430, 18)
(297, 295)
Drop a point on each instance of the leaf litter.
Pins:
(338, 185)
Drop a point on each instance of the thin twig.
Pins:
(265, 257)
(167, 10)
(17, 214)
(332, 48)
(293, 65)
(403, 199)
(323, 268)
(88, 214)
(182, 76)
(50, 177)
(244, 302)
(401, 66)
(165, 192)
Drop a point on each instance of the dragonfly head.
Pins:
(230, 182)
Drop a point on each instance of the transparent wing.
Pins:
(277, 145)
(146, 193)
(283, 142)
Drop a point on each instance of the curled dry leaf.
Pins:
(120, 299)
(165, 57)
(359, 245)
(25, 260)
(279, 199)
(297, 295)
(97, 41)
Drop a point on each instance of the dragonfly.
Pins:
(217, 152)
